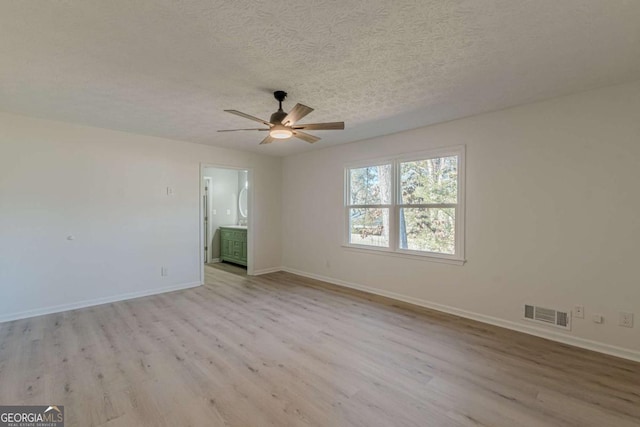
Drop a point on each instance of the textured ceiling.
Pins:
(169, 68)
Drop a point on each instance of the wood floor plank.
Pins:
(282, 350)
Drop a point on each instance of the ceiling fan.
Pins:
(282, 125)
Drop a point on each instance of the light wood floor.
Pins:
(229, 267)
(280, 350)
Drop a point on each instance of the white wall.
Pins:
(552, 216)
(223, 204)
(108, 189)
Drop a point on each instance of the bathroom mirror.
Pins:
(242, 203)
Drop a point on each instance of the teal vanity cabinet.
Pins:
(233, 244)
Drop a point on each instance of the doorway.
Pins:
(226, 226)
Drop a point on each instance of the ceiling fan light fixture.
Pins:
(280, 133)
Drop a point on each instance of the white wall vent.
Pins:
(548, 316)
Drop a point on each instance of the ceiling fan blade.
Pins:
(247, 116)
(235, 130)
(268, 140)
(305, 136)
(321, 126)
(298, 112)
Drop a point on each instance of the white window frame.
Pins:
(394, 249)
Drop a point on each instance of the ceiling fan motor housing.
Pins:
(278, 116)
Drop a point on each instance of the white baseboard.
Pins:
(267, 270)
(612, 350)
(97, 301)
(214, 260)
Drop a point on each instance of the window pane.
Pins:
(429, 181)
(370, 185)
(369, 226)
(428, 229)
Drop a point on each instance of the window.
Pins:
(410, 205)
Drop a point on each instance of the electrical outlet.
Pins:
(578, 312)
(626, 320)
(215, 212)
(164, 271)
(170, 191)
(228, 211)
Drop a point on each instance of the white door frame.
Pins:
(207, 208)
(250, 214)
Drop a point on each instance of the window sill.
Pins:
(406, 255)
